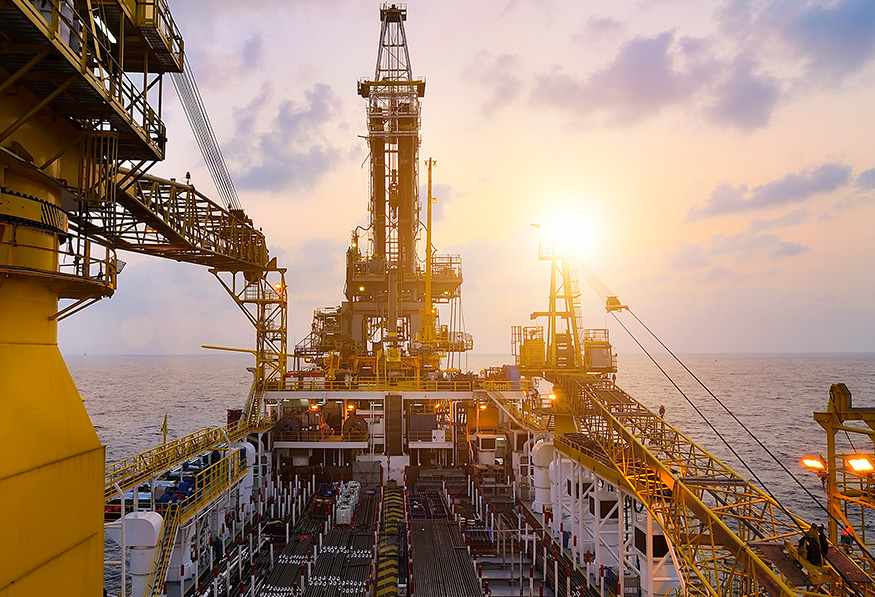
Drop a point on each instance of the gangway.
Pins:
(208, 484)
(163, 551)
(132, 471)
(525, 419)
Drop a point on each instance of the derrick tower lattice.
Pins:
(388, 326)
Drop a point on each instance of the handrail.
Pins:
(145, 465)
(291, 384)
(706, 499)
(522, 418)
(163, 550)
(185, 224)
(209, 483)
(76, 39)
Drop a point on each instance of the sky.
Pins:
(715, 160)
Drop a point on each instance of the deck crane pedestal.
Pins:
(80, 124)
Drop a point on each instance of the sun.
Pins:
(571, 227)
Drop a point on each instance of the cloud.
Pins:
(252, 52)
(745, 100)
(646, 75)
(288, 149)
(747, 244)
(443, 194)
(835, 38)
(650, 74)
(500, 76)
(315, 270)
(718, 273)
(690, 256)
(792, 188)
(798, 216)
(866, 180)
(598, 29)
(821, 43)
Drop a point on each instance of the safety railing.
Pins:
(94, 60)
(212, 482)
(154, 15)
(208, 484)
(304, 435)
(145, 465)
(163, 550)
(203, 222)
(320, 384)
(516, 411)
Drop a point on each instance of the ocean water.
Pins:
(774, 395)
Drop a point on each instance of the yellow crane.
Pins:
(732, 538)
(80, 125)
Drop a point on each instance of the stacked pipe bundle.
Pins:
(287, 572)
(441, 564)
(343, 566)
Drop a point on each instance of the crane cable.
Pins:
(790, 515)
(603, 292)
(696, 408)
(199, 121)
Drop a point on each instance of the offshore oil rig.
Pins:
(364, 462)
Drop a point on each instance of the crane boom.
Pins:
(170, 219)
(731, 538)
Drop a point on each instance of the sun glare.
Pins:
(570, 229)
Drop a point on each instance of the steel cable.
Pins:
(199, 121)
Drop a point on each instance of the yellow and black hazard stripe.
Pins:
(19, 208)
(393, 515)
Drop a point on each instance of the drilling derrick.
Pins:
(388, 325)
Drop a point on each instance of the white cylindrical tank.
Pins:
(249, 453)
(142, 530)
(542, 455)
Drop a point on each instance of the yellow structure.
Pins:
(48, 547)
(80, 124)
(847, 476)
(68, 114)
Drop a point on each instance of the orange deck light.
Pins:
(861, 463)
(815, 463)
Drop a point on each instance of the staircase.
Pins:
(163, 550)
(460, 427)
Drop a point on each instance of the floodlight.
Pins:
(815, 463)
(861, 463)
